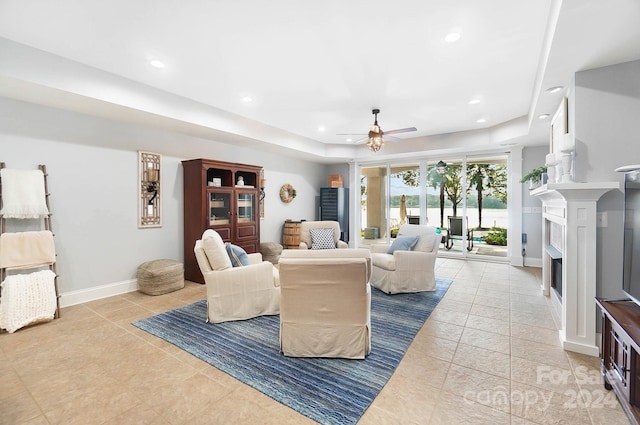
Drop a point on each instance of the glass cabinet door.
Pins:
(246, 207)
(219, 208)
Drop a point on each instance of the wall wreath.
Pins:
(287, 193)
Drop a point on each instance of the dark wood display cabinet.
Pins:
(222, 196)
(619, 354)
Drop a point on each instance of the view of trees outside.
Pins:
(486, 188)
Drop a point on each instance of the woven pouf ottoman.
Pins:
(159, 277)
(271, 251)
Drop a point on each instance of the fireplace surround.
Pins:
(569, 233)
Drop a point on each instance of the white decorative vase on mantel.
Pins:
(551, 162)
(566, 157)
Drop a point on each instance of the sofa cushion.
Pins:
(237, 255)
(322, 238)
(426, 236)
(426, 242)
(402, 243)
(213, 247)
(383, 260)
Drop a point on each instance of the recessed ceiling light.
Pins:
(481, 120)
(247, 99)
(156, 63)
(452, 37)
(474, 101)
(554, 89)
(321, 128)
(543, 116)
(349, 139)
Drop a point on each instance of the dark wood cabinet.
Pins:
(334, 206)
(619, 356)
(222, 196)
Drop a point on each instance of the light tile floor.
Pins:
(489, 354)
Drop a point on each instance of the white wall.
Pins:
(532, 157)
(92, 167)
(605, 113)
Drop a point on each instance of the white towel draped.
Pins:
(25, 250)
(23, 194)
(27, 299)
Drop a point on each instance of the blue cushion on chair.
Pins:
(403, 243)
(237, 255)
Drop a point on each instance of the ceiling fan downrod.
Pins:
(375, 112)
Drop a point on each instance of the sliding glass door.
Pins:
(373, 203)
(464, 197)
(404, 199)
(486, 204)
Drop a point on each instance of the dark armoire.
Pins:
(222, 196)
(334, 206)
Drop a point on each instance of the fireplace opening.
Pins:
(556, 276)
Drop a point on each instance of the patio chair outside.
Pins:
(454, 232)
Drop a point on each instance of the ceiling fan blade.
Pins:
(401, 130)
(375, 133)
(385, 138)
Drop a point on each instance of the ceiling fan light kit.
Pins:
(375, 141)
(375, 138)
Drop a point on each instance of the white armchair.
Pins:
(307, 226)
(236, 293)
(326, 303)
(407, 270)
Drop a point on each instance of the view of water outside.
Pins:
(490, 217)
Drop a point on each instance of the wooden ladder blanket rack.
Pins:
(29, 291)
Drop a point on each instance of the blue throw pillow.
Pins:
(237, 255)
(403, 243)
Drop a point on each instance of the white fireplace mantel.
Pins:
(573, 206)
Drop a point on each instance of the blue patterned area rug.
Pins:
(329, 391)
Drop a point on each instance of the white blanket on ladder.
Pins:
(23, 194)
(26, 299)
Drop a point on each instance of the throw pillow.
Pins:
(426, 241)
(213, 247)
(322, 238)
(402, 243)
(237, 255)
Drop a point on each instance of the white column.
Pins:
(579, 278)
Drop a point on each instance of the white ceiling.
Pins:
(327, 64)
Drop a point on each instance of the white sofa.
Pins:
(407, 270)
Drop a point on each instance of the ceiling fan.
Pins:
(375, 139)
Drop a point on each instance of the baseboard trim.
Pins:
(67, 299)
(533, 262)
